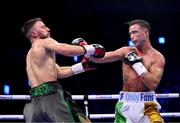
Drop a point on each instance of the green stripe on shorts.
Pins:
(119, 118)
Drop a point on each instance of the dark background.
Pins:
(97, 21)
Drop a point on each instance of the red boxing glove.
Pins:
(83, 66)
(95, 50)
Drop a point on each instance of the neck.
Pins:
(33, 40)
(145, 47)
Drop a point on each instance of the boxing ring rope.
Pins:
(103, 116)
(92, 116)
(82, 97)
(86, 98)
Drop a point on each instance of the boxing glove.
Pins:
(83, 66)
(95, 50)
(79, 41)
(82, 42)
(99, 51)
(136, 62)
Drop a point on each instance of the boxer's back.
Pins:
(40, 65)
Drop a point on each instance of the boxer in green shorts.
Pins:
(49, 102)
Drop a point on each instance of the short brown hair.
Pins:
(28, 25)
(142, 23)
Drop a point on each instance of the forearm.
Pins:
(67, 71)
(150, 81)
(72, 50)
(111, 56)
(64, 72)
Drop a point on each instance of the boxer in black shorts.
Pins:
(49, 102)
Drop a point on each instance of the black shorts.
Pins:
(49, 103)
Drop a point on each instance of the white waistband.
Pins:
(137, 97)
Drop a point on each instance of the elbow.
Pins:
(151, 82)
(153, 86)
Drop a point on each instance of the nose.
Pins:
(47, 29)
(132, 36)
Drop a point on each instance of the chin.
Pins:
(135, 45)
(48, 36)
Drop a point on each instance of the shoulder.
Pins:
(28, 53)
(158, 53)
(122, 51)
(46, 42)
(126, 49)
(37, 47)
(158, 56)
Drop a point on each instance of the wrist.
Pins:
(89, 49)
(144, 74)
(77, 68)
(140, 69)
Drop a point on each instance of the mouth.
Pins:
(134, 41)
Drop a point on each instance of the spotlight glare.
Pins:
(161, 40)
(75, 58)
(131, 43)
(6, 89)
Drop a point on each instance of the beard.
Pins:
(43, 36)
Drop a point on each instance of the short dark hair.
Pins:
(141, 22)
(28, 25)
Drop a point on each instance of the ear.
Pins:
(33, 34)
(146, 32)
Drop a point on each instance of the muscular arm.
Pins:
(112, 56)
(63, 72)
(152, 78)
(62, 48)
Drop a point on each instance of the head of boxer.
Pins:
(139, 31)
(35, 29)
